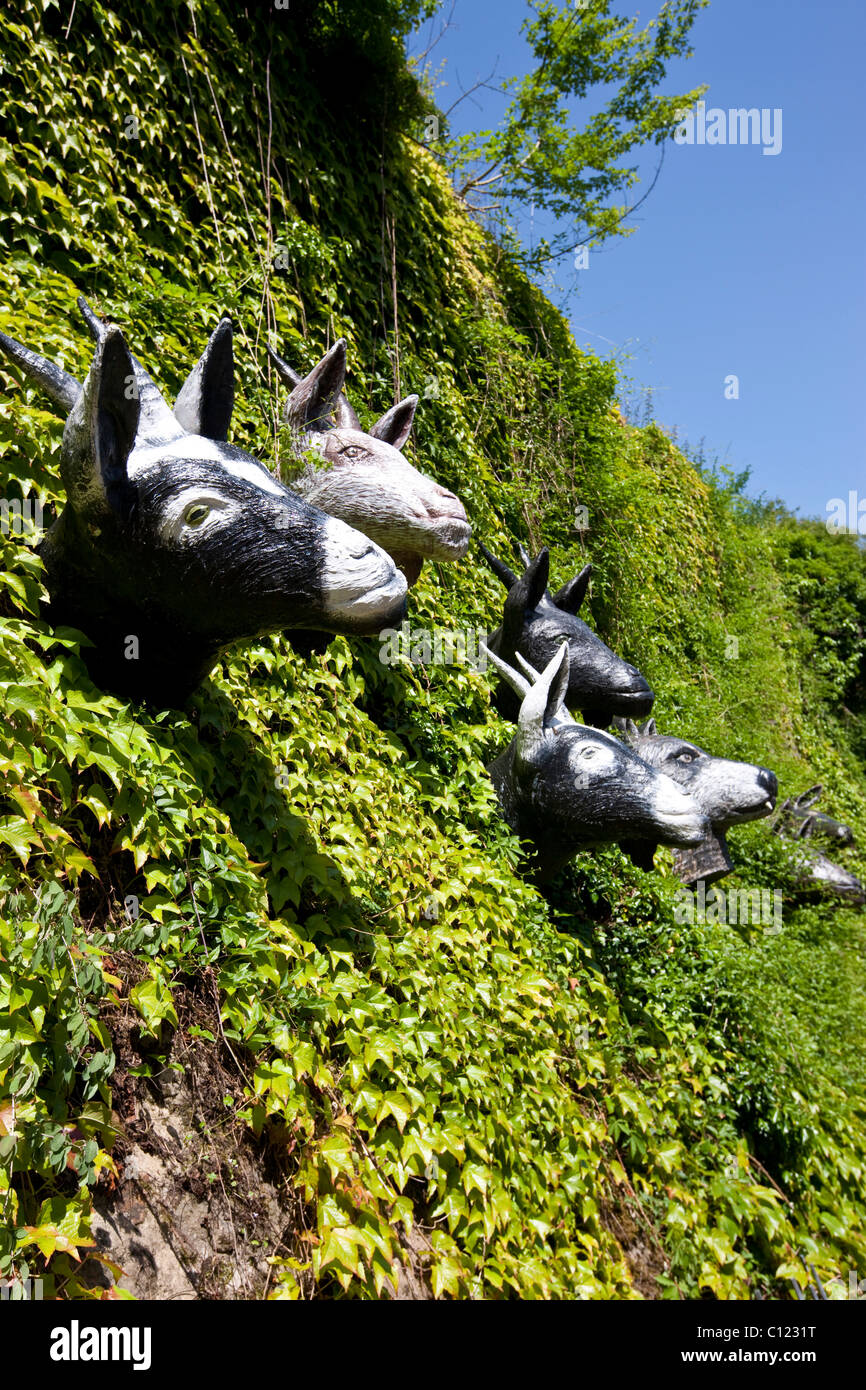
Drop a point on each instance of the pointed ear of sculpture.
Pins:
(524, 595)
(519, 684)
(502, 572)
(344, 413)
(207, 397)
(396, 423)
(156, 424)
(315, 397)
(522, 554)
(529, 671)
(101, 429)
(288, 376)
(536, 577)
(60, 388)
(523, 684)
(540, 706)
(648, 730)
(571, 595)
(808, 797)
(560, 715)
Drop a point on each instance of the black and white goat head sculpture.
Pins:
(729, 793)
(534, 624)
(363, 477)
(174, 543)
(566, 787)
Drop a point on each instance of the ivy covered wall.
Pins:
(439, 1069)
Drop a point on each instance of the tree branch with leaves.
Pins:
(546, 152)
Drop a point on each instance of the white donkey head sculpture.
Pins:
(364, 479)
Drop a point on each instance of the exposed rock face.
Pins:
(193, 1215)
(200, 1205)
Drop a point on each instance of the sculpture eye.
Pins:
(352, 451)
(686, 757)
(196, 513)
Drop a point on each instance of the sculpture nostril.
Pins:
(448, 498)
(446, 508)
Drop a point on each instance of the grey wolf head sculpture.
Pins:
(729, 793)
(173, 543)
(534, 624)
(798, 821)
(565, 787)
(363, 478)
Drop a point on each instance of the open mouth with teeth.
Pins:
(761, 808)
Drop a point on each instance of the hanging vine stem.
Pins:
(392, 238)
(217, 1007)
(210, 201)
(267, 308)
(218, 114)
(383, 225)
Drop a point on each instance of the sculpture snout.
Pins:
(635, 691)
(361, 584)
(681, 818)
(450, 527)
(621, 690)
(769, 782)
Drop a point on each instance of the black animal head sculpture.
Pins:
(534, 624)
(799, 821)
(566, 787)
(364, 478)
(729, 793)
(817, 871)
(173, 543)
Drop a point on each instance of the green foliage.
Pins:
(444, 1060)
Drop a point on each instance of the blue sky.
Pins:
(742, 263)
